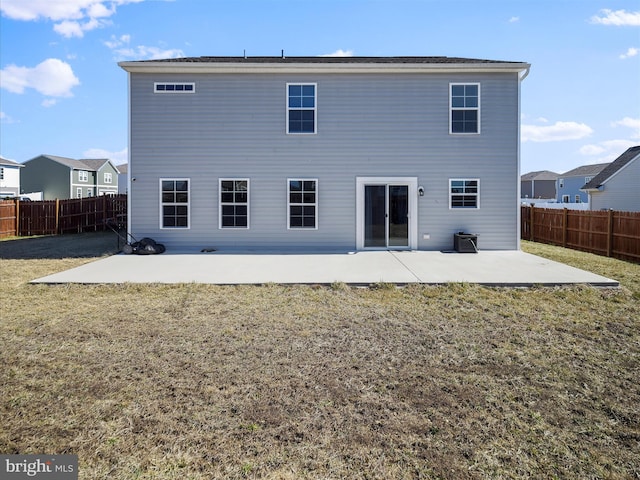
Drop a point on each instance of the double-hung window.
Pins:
(108, 178)
(301, 107)
(465, 108)
(174, 203)
(464, 193)
(234, 203)
(302, 203)
(83, 176)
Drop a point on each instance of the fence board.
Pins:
(608, 233)
(51, 217)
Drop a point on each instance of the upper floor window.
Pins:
(108, 178)
(587, 179)
(465, 108)
(302, 203)
(464, 193)
(561, 182)
(234, 203)
(174, 203)
(1, 173)
(83, 176)
(174, 87)
(301, 108)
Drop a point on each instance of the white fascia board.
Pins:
(290, 68)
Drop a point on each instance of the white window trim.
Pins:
(161, 203)
(155, 87)
(566, 199)
(302, 179)
(220, 203)
(561, 182)
(79, 192)
(477, 207)
(108, 177)
(451, 85)
(315, 108)
(83, 176)
(578, 198)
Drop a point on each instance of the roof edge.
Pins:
(368, 65)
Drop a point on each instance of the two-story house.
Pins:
(570, 183)
(540, 184)
(324, 153)
(61, 177)
(9, 178)
(617, 187)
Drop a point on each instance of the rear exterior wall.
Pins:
(368, 125)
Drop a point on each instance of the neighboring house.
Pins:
(9, 178)
(540, 184)
(123, 178)
(570, 183)
(617, 187)
(60, 177)
(324, 153)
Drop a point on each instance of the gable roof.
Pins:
(91, 165)
(286, 64)
(5, 162)
(614, 167)
(539, 175)
(585, 170)
(124, 168)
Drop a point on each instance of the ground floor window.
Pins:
(302, 200)
(565, 198)
(174, 203)
(464, 193)
(79, 192)
(234, 203)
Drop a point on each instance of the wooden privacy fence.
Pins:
(609, 233)
(52, 217)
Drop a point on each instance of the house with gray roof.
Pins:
(61, 178)
(123, 178)
(540, 184)
(617, 186)
(570, 183)
(9, 178)
(314, 153)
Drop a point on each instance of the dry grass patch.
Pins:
(199, 381)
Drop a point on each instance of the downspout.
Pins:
(519, 193)
(129, 190)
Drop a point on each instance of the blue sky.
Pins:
(62, 92)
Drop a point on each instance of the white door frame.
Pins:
(412, 183)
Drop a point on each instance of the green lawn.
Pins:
(201, 381)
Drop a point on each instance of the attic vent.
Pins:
(174, 87)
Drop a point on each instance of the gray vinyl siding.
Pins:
(621, 192)
(368, 125)
(43, 175)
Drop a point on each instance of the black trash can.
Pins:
(465, 242)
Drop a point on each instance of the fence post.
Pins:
(564, 227)
(57, 232)
(17, 210)
(610, 233)
(531, 237)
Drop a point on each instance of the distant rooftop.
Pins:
(613, 167)
(540, 175)
(585, 170)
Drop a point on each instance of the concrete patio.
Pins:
(494, 268)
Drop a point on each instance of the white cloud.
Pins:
(49, 102)
(514, 19)
(617, 18)
(339, 53)
(116, 157)
(557, 132)
(606, 151)
(142, 52)
(632, 123)
(52, 77)
(4, 118)
(631, 52)
(74, 17)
